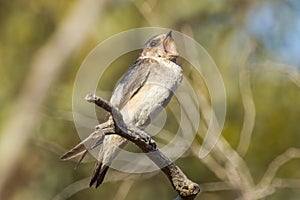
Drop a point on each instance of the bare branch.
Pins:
(249, 108)
(91, 98)
(291, 72)
(186, 189)
(124, 189)
(212, 165)
(237, 171)
(216, 186)
(82, 184)
(274, 166)
(286, 183)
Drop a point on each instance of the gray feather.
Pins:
(130, 83)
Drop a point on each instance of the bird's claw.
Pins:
(97, 127)
(151, 142)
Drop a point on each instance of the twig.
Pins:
(247, 98)
(216, 186)
(274, 166)
(82, 184)
(124, 189)
(186, 189)
(291, 72)
(212, 165)
(91, 98)
(286, 183)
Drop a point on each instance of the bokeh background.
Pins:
(255, 44)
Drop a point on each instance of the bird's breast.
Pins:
(153, 96)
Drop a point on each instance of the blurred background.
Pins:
(255, 44)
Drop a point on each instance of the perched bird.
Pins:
(142, 92)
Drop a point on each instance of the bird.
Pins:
(140, 95)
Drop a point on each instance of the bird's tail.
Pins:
(110, 148)
(98, 174)
(92, 141)
(74, 152)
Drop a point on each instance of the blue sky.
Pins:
(277, 25)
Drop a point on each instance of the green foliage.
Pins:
(219, 26)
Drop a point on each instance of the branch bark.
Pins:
(186, 189)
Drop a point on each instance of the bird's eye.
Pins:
(153, 44)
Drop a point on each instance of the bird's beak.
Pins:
(169, 45)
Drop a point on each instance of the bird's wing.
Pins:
(89, 143)
(131, 82)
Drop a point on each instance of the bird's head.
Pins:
(161, 46)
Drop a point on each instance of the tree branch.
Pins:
(274, 166)
(186, 189)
